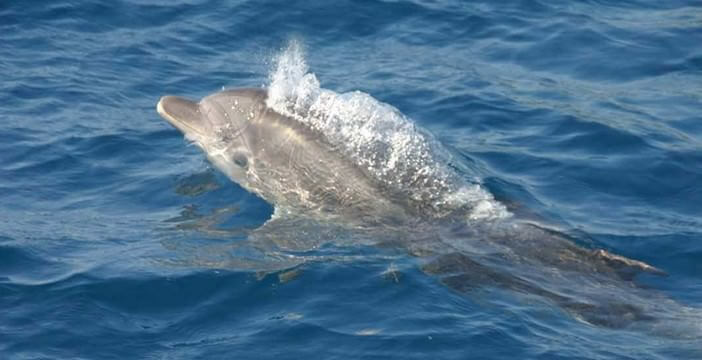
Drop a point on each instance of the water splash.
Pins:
(379, 138)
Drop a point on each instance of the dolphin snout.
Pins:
(182, 113)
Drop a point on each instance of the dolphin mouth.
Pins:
(182, 113)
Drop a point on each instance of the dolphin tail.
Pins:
(626, 268)
(463, 274)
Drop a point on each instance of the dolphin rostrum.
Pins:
(307, 175)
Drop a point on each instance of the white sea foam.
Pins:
(377, 136)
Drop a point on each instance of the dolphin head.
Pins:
(219, 124)
(274, 156)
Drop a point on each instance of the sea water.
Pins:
(116, 234)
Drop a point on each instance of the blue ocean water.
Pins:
(115, 233)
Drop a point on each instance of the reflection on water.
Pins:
(196, 184)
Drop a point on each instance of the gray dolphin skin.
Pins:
(309, 180)
(276, 158)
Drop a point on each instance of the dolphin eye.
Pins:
(240, 160)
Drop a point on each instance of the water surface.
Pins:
(115, 233)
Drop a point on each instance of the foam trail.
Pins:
(378, 137)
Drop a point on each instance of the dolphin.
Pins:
(276, 158)
(312, 184)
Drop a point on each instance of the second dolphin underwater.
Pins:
(298, 156)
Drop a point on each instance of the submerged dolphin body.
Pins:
(310, 179)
